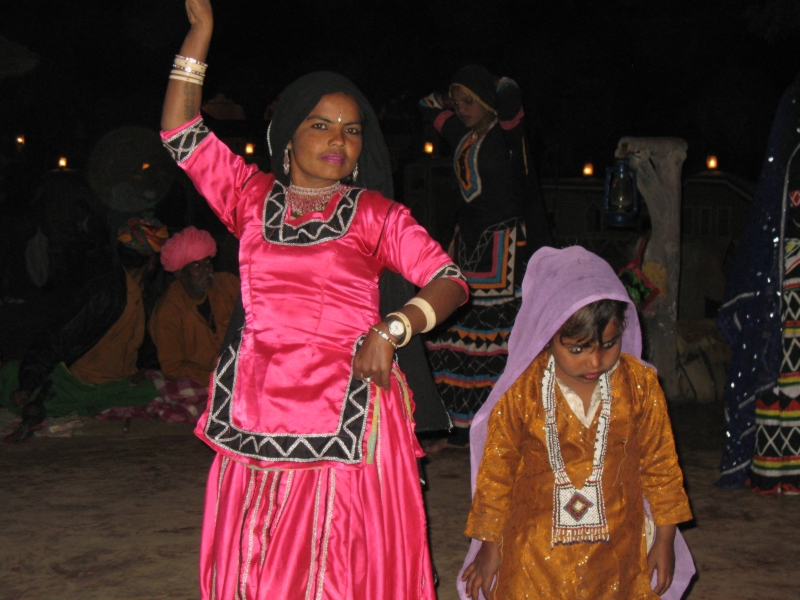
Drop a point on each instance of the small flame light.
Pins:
(249, 148)
(62, 162)
(711, 162)
(588, 169)
(428, 148)
(20, 141)
(145, 166)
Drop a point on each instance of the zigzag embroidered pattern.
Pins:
(185, 142)
(343, 445)
(276, 230)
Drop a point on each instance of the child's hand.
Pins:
(661, 558)
(480, 574)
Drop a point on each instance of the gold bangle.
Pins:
(187, 78)
(427, 310)
(187, 73)
(383, 335)
(406, 324)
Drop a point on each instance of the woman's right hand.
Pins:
(480, 575)
(199, 13)
(183, 99)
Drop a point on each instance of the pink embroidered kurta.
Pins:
(338, 514)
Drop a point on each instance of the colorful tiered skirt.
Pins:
(776, 460)
(469, 356)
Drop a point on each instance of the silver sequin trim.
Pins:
(241, 592)
(327, 533)
(222, 470)
(288, 489)
(309, 587)
(185, 142)
(272, 489)
(450, 270)
(246, 570)
(343, 445)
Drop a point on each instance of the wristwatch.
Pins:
(396, 328)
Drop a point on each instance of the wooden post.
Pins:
(658, 163)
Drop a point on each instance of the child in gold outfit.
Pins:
(578, 442)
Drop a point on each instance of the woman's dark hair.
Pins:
(130, 258)
(589, 322)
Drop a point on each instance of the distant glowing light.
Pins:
(588, 169)
(711, 162)
(428, 148)
(21, 140)
(249, 148)
(145, 166)
(62, 162)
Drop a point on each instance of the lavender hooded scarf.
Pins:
(557, 283)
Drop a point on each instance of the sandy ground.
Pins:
(106, 514)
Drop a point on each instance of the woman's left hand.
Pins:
(373, 359)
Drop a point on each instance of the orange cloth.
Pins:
(513, 502)
(187, 347)
(114, 356)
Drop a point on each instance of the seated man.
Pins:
(92, 362)
(189, 321)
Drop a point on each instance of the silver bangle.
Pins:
(189, 59)
(383, 335)
(188, 70)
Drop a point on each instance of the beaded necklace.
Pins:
(578, 515)
(303, 199)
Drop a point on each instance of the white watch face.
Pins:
(397, 329)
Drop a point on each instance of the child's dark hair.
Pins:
(589, 322)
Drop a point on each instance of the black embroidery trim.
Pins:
(276, 230)
(449, 270)
(185, 142)
(344, 445)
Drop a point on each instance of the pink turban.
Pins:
(187, 246)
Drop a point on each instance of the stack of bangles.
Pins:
(188, 69)
(430, 322)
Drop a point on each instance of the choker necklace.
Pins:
(578, 515)
(303, 199)
(477, 133)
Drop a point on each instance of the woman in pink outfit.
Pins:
(314, 492)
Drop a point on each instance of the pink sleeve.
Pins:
(406, 248)
(221, 177)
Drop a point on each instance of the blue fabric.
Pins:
(750, 317)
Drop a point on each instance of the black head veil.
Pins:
(480, 83)
(295, 104)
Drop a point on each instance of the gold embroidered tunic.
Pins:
(513, 501)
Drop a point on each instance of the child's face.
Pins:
(580, 363)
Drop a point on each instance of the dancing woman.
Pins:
(482, 118)
(314, 492)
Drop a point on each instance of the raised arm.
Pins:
(183, 99)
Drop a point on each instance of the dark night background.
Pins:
(710, 71)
